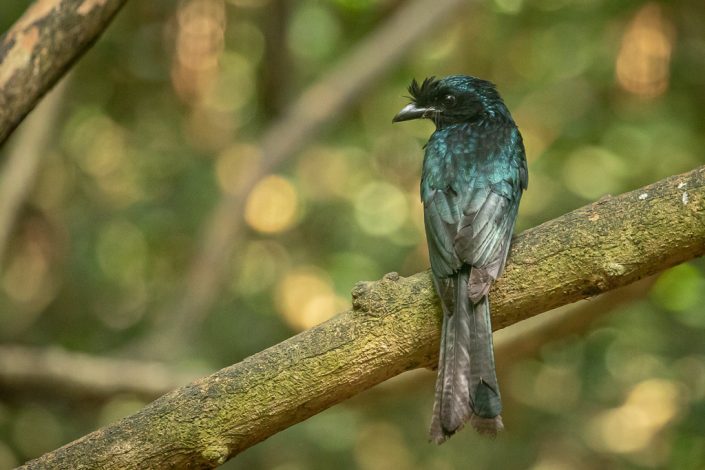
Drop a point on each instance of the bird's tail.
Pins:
(466, 386)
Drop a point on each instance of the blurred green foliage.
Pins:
(160, 118)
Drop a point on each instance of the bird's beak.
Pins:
(410, 111)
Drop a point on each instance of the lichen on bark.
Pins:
(394, 326)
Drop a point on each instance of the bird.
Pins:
(473, 177)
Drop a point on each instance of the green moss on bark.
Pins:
(394, 326)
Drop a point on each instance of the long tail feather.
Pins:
(485, 399)
(466, 385)
(452, 408)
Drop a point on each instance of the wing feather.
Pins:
(471, 220)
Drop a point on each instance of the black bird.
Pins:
(474, 173)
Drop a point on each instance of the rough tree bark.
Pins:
(54, 372)
(41, 46)
(394, 327)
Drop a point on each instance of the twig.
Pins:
(393, 327)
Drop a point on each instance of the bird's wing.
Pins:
(471, 219)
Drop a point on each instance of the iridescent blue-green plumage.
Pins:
(474, 173)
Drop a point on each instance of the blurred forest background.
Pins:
(140, 161)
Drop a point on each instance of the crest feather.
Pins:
(419, 91)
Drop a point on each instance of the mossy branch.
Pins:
(41, 46)
(394, 327)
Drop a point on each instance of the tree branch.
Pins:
(526, 338)
(80, 376)
(394, 327)
(24, 161)
(76, 376)
(41, 46)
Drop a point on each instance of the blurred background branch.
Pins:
(394, 327)
(55, 372)
(23, 162)
(317, 107)
(526, 338)
(78, 376)
(41, 46)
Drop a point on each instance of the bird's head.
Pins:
(453, 99)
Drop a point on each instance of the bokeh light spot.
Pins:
(248, 39)
(122, 252)
(650, 405)
(591, 172)
(314, 32)
(556, 389)
(381, 446)
(27, 275)
(325, 172)
(380, 208)
(36, 431)
(97, 143)
(119, 407)
(628, 364)
(305, 298)
(235, 85)
(509, 6)
(643, 63)
(198, 45)
(272, 206)
(236, 165)
(682, 290)
(259, 267)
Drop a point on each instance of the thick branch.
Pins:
(40, 48)
(51, 371)
(394, 327)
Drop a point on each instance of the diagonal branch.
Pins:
(24, 161)
(315, 108)
(41, 46)
(52, 372)
(393, 327)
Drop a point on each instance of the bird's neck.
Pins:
(494, 115)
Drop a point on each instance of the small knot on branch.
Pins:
(216, 454)
(358, 293)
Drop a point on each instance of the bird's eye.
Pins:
(449, 101)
